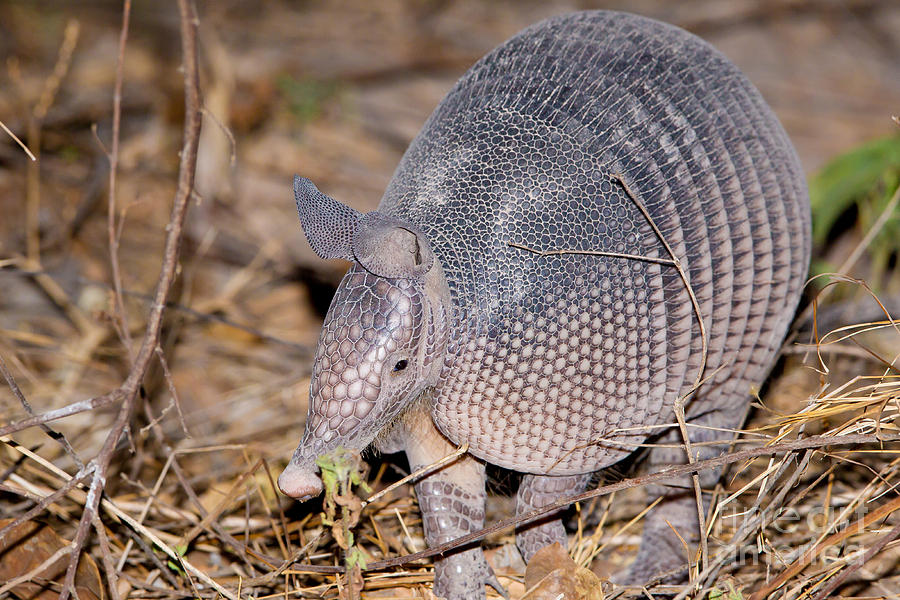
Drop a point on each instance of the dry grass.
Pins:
(787, 523)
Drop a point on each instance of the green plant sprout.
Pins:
(180, 550)
(342, 471)
(730, 594)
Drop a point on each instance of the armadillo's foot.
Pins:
(656, 563)
(462, 576)
(539, 534)
(662, 557)
(448, 512)
(534, 492)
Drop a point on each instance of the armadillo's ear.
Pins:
(329, 225)
(388, 247)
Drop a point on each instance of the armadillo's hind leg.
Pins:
(536, 491)
(672, 533)
(670, 537)
(452, 504)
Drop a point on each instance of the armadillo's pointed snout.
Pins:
(299, 483)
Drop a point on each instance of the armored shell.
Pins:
(556, 141)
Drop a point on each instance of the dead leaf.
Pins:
(552, 575)
(30, 544)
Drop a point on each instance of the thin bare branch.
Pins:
(418, 474)
(18, 141)
(108, 563)
(46, 501)
(640, 257)
(129, 389)
(111, 228)
(35, 118)
(172, 390)
(826, 592)
(66, 411)
(203, 316)
(53, 434)
(12, 583)
(60, 68)
(704, 339)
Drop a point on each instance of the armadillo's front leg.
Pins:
(452, 505)
(536, 491)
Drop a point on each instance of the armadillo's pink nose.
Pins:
(299, 483)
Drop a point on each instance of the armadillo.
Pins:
(602, 213)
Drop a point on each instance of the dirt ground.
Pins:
(333, 91)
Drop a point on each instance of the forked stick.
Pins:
(128, 391)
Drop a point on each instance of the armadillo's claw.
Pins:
(495, 583)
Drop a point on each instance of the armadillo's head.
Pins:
(384, 336)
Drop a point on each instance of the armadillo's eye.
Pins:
(401, 364)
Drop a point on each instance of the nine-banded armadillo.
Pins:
(523, 287)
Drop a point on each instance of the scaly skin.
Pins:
(665, 560)
(536, 491)
(583, 134)
(452, 505)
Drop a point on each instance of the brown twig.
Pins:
(625, 255)
(207, 520)
(828, 542)
(44, 502)
(297, 555)
(18, 141)
(164, 571)
(825, 592)
(63, 60)
(53, 434)
(122, 317)
(176, 401)
(129, 389)
(203, 316)
(285, 543)
(418, 474)
(760, 517)
(35, 120)
(66, 411)
(108, 563)
(35, 572)
(704, 351)
(171, 553)
(672, 261)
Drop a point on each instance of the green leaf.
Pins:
(180, 550)
(355, 556)
(847, 179)
(729, 594)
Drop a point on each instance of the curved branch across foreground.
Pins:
(128, 391)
